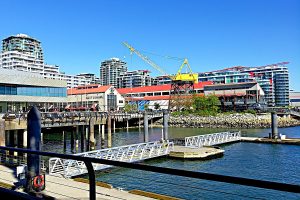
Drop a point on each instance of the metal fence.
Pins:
(212, 139)
(184, 173)
(128, 153)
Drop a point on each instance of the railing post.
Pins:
(33, 143)
(92, 180)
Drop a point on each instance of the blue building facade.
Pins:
(20, 90)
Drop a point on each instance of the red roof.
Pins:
(157, 88)
(82, 90)
(153, 98)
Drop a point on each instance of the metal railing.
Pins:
(128, 153)
(185, 173)
(212, 139)
(13, 160)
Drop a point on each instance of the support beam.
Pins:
(98, 143)
(103, 132)
(92, 133)
(114, 124)
(2, 132)
(15, 139)
(65, 140)
(274, 126)
(146, 128)
(25, 139)
(77, 138)
(72, 139)
(165, 124)
(109, 131)
(82, 139)
(87, 138)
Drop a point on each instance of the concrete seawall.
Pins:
(230, 121)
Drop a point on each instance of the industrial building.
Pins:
(25, 53)
(95, 97)
(137, 78)
(237, 96)
(20, 90)
(110, 70)
(157, 94)
(273, 79)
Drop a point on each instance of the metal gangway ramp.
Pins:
(128, 153)
(212, 139)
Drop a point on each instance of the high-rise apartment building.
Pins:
(273, 79)
(110, 70)
(24, 44)
(24, 53)
(137, 78)
(90, 77)
(161, 80)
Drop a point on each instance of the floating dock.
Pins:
(204, 153)
(292, 141)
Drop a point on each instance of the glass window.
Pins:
(7, 90)
(13, 90)
(2, 90)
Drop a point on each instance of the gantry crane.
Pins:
(193, 77)
(182, 84)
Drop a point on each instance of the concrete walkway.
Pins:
(61, 188)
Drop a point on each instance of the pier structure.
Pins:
(128, 153)
(193, 148)
(13, 127)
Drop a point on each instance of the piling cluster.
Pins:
(235, 120)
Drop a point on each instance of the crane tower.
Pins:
(182, 84)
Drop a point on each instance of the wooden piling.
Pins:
(92, 134)
(109, 131)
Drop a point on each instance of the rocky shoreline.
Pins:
(235, 120)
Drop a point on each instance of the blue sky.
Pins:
(213, 34)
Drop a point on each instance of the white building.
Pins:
(294, 99)
(110, 70)
(24, 53)
(95, 97)
(137, 78)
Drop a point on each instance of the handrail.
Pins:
(185, 173)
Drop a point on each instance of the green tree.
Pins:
(130, 108)
(206, 105)
(213, 102)
(156, 106)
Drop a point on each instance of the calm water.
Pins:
(260, 161)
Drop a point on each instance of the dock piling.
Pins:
(92, 134)
(109, 131)
(65, 140)
(82, 138)
(165, 124)
(274, 125)
(146, 127)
